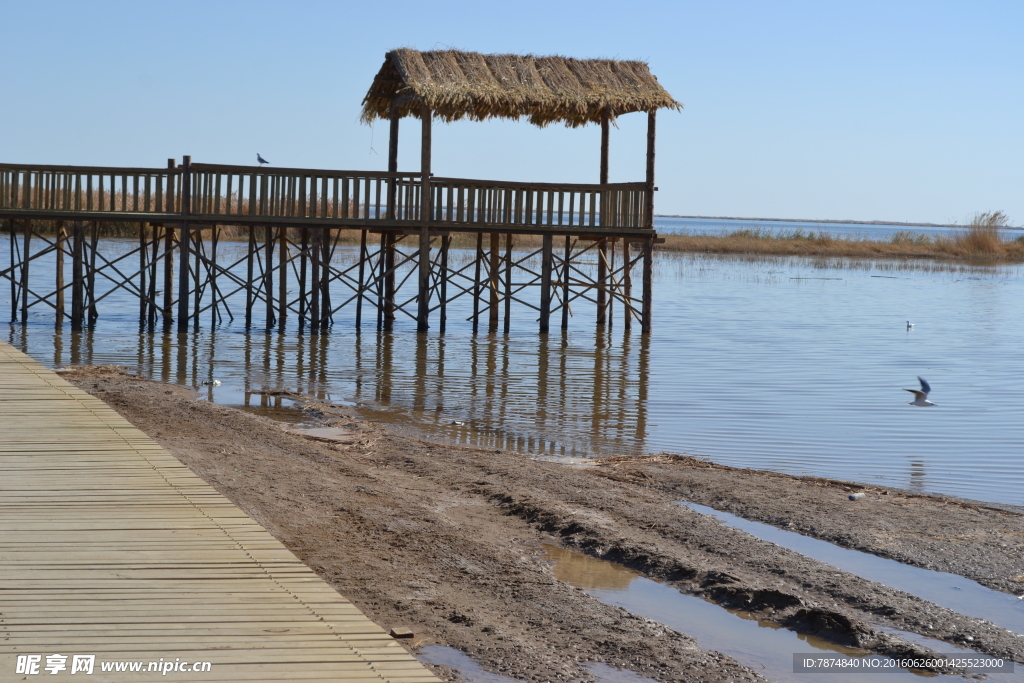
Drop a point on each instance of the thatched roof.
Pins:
(468, 85)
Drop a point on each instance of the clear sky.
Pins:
(864, 110)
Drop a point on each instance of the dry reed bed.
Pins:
(982, 241)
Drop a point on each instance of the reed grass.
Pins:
(980, 241)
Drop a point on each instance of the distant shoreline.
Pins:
(811, 220)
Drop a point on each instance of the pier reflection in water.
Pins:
(555, 395)
(789, 364)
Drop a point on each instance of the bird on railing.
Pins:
(260, 159)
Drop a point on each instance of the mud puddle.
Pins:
(761, 645)
(472, 672)
(948, 590)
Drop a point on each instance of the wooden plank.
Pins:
(110, 546)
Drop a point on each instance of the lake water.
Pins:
(793, 365)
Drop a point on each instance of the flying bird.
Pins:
(921, 397)
(260, 159)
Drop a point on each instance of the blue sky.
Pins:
(861, 110)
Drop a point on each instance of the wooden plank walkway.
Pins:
(111, 547)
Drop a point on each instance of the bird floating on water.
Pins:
(921, 397)
(910, 325)
(260, 159)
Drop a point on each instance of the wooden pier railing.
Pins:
(246, 195)
(293, 217)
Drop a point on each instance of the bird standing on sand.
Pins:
(921, 397)
(260, 159)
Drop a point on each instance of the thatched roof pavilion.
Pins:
(451, 85)
(468, 85)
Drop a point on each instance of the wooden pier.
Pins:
(584, 242)
(111, 547)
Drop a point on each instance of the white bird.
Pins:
(260, 159)
(910, 325)
(921, 397)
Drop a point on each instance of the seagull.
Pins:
(260, 159)
(910, 325)
(921, 397)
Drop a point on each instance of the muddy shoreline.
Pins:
(446, 540)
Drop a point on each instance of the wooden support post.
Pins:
(423, 297)
(214, 308)
(314, 285)
(610, 307)
(508, 283)
(393, 163)
(77, 276)
(325, 279)
(303, 263)
(90, 278)
(494, 279)
(445, 243)
(268, 275)
(61, 246)
(565, 283)
(477, 285)
(385, 311)
(154, 258)
(282, 280)
(649, 199)
(14, 282)
(362, 276)
(604, 150)
(380, 281)
(250, 263)
(602, 281)
(197, 293)
(25, 260)
(167, 312)
(143, 253)
(545, 284)
(627, 286)
(389, 282)
(184, 243)
(602, 257)
(648, 296)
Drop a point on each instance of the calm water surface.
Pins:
(792, 365)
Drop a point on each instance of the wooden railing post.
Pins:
(184, 243)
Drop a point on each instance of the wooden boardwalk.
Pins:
(111, 547)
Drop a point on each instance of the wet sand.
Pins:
(446, 540)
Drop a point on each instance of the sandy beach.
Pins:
(446, 540)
